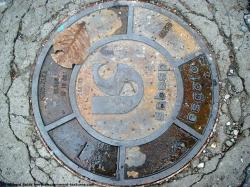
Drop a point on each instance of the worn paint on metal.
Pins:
(53, 91)
(142, 104)
(160, 153)
(106, 22)
(84, 150)
(197, 102)
(135, 157)
(176, 39)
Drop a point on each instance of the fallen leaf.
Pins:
(70, 46)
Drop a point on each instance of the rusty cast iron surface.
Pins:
(140, 106)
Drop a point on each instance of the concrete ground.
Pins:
(24, 24)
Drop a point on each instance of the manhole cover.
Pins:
(142, 104)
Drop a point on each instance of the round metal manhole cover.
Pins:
(142, 103)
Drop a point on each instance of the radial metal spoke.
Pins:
(188, 129)
(130, 20)
(188, 58)
(59, 122)
(121, 162)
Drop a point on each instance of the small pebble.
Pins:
(227, 96)
(183, 145)
(236, 132)
(213, 145)
(201, 165)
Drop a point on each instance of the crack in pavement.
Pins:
(218, 164)
(12, 64)
(183, 3)
(204, 174)
(15, 71)
(51, 18)
(227, 40)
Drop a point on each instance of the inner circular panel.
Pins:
(126, 90)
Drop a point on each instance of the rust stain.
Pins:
(97, 157)
(82, 176)
(162, 152)
(205, 104)
(53, 90)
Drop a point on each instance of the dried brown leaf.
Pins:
(70, 46)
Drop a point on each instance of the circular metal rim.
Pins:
(149, 179)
